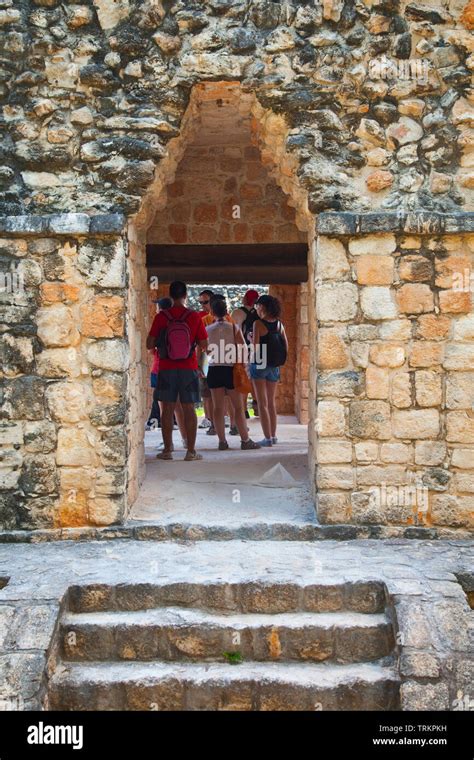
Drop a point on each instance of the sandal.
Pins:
(166, 455)
(248, 445)
(192, 456)
(223, 446)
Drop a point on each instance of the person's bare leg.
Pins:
(272, 412)
(261, 391)
(218, 405)
(229, 409)
(190, 425)
(180, 420)
(167, 412)
(208, 410)
(236, 400)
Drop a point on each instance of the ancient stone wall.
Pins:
(395, 388)
(64, 389)
(357, 107)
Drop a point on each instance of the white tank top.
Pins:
(221, 344)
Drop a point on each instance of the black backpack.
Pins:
(248, 323)
(276, 344)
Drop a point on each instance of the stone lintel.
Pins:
(339, 224)
(62, 224)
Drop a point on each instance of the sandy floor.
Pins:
(225, 487)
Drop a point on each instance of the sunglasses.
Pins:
(203, 303)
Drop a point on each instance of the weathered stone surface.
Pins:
(337, 303)
(370, 419)
(416, 424)
(378, 303)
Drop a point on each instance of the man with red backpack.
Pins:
(177, 332)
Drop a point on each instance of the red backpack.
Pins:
(175, 340)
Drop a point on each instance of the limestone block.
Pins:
(75, 447)
(366, 451)
(428, 389)
(460, 390)
(378, 303)
(68, 401)
(330, 419)
(334, 451)
(415, 298)
(370, 419)
(395, 453)
(56, 326)
(387, 355)
(459, 356)
(341, 478)
(430, 453)
(108, 354)
(377, 383)
(463, 458)
(374, 245)
(416, 424)
(332, 351)
(59, 362)
(464, 328)
(374, 270)
(336, 303)
(111, 12)
(459, 427)
(102, 317)
(103, 264)
(426, 354)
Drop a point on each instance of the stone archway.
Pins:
(97, 103)
(218, 106)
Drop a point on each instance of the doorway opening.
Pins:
(222, 220)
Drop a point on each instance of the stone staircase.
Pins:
(242, 646)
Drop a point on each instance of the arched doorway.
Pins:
(218, 214)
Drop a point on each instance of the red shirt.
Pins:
(196, 327)
(155, 367)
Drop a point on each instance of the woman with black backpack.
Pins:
(271, 347)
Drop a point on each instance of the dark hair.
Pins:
(271, 305)
(165, 303)
(217, 297)
(206, 293)
(219, 307)
(178, 289)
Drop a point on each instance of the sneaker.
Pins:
(233, 430)
(223, 446)
(204, 424)
(248, 445)
(274, 439)
(211, 431)
(266, 442)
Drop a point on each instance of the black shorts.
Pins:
(221, 377)
(178, 383)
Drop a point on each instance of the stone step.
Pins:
(176, 633)
(249, 686)
(359, 596)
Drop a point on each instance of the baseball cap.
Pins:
(251, 296)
